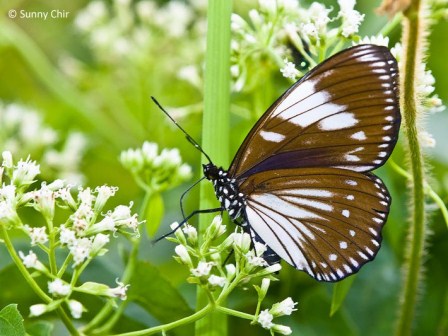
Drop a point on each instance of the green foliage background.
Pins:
(112, 107)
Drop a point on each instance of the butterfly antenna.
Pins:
(189, 138)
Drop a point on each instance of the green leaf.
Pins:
(154, 214)
(40, 328)
(157, 296)
(340, 291)
(11, 322)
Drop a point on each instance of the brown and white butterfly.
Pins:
(301, 182)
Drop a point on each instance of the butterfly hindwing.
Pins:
(344, 114)
(325, 221)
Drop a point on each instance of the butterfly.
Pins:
(301, 181)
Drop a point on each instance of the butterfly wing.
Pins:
(344, 113)
(325, 221)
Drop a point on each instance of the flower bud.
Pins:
(183, 254)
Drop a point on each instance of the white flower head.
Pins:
(231, 270)
(38, 309)
(184, 171)
(38, 235)
(215, 280)
(30, 260)
(104, 192)
(132, 159)
(265, 319)
(183, 254)
(7, 159)
(281, 329)
(8, 193)
(351, 18)
(59, 288)
(426, 139)
(191, 233)
(285, 307)
(76, 308)
(256, 261)
(203, 269)
(119, 291)
(289, 70)
(241, 241)
(80, 250)
(44, 199)
(25, 172)
(99, 241)
(66, 236)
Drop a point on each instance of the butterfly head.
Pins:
(211, 172)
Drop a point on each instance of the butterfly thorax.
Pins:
(226, 190)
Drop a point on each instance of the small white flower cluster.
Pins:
(205, 264)
(24, 132)
(156, 171)
(85, 233)
(265, 317)
(130, 30)
(283, 30)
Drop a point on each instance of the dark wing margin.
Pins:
(326, 222)
(344, 113)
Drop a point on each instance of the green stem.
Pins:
(215, 134)
(236, 313)
(34, 286)
(413, 34)
(165, 327)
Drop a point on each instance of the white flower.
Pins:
(216, 228)
(85, 196)
(44, 199)
(203, 269)
(191, 233)
(121, 212)
(265, 319)
(7, 211)
(318, 14)
(7, 159)
(426, 139)
(98, 243)
(146, 10)
(215, 280)
(170, 157)
(38, 235)
(132, 159)
(259, 248)
(80, 250)
(104, 192)
(231, 270)
(25, 172)
(106, 224)
(56, 185)
(397, 50)
(149, 151)
(351, 18)
(289, 70)
(286, 307)
(184, 171)
(66, 236)
(30, 260)
(255, 260)
(281, 329)
(38, 309)
(76, 308)
(119, 291)
(241, 241)
(183, 254)
(309, 30)
(59, 288)
(8, 193)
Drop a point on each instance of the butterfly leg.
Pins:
(185, 193)
(185, 221)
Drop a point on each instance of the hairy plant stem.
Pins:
(413, 47)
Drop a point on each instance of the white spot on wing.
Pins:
(350, 197)
(352, 233)
(332, 257)
(343, 245)
(272, 136)
(338, 121)
(359, 136)
(310, 192)
(346, 213)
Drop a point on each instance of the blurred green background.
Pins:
(76, 84)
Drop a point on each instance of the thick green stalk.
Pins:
(215, 134)
(413, 47)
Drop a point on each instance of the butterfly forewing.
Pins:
(324, 221)
(343, 114)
